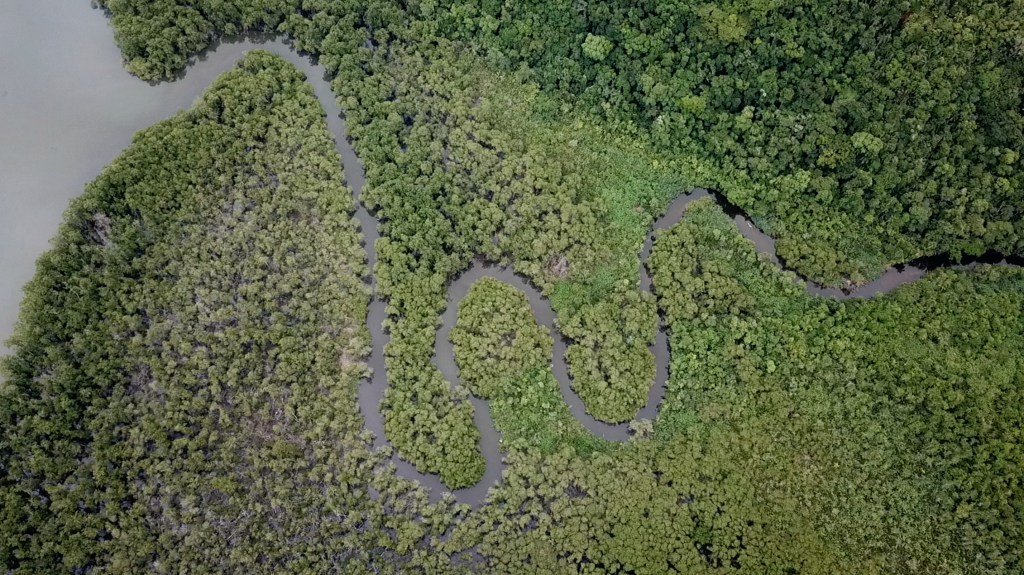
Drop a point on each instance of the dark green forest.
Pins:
(182, 396)
(859, 134)
(182, 391)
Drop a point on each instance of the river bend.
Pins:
(169, 97)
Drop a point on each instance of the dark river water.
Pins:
(68, 108)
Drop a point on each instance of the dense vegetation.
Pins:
(504, 356)
(208, 421)
(182, 394)
(894, 421)
(799, 434)
(860, 133)
(496, 337)
(610, 363)
(157, 37)
(863, 133)
(461, 161)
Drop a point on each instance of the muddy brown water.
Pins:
(68, 108)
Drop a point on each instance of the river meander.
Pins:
(67, 108)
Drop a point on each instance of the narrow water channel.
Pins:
(67, 108)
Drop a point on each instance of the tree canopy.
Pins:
(181, 396)
(859, 134)
(182, 392)
(496, 337)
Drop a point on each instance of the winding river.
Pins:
(97, 120)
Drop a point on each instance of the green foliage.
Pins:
(899, 414)
(797, 434)
(495, 336)
(504, 355)
(597, 47)
(610, 363)
(905, 118)
(461, 161)
(645, 508)
(531, 415)
(157, 38)
(903, 122)
(702, 276)
(181, 396)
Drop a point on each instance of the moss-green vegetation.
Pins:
(462, 161)
(531, 414)
(894, 421)
(862, 133)
(612, 368)
(504, 355)
(496, 337)
(798, 434)
(182, 393)
(644, 508)
(181, 396)
(157, 37)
